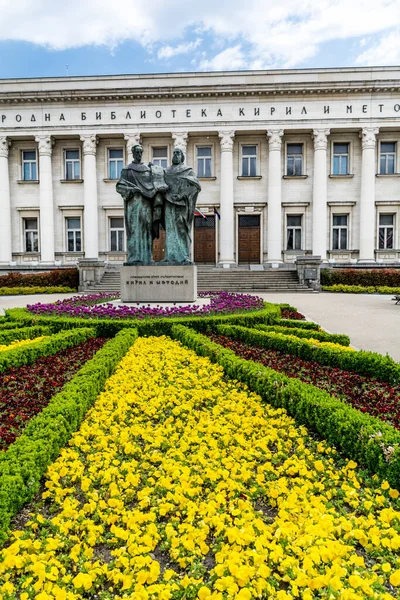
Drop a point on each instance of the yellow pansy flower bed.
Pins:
(19, 343)
(182, 485)
(315, 342)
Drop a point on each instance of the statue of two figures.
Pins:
(154, 196)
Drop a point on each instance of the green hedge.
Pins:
(359, 289)
(18, 291)
(366, 439)
(6, 324)
(299, 324)
(22, 333)
(25, 355)
(322, 336)
(365, 277)
(26, 460)
(157, 326)
(51, 278)
(363, 362)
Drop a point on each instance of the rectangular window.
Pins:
(160, 157)
(386, 232)
(204, 157)
(72, 164)
(388, 158)
(294, 160)
(293, 232)
(31, 237)
(340, 232)
(117, 234)
(249, 161)
(29, 165)
(74, 234)
(115, 162)
(340, 159)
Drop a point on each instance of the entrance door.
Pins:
(249, 239)
(204, 240)
(159, 246)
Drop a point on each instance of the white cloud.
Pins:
(166, 52)
(252, 34)
(385, 52)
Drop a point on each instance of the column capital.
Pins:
(274, 139)
(45, 144)
(90, 142)
(132, 138)
(4, 147)
(368, 137)
(180, 139)
(320, 138)
(226, 138)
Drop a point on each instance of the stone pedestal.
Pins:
(159, 283)
(90, 272)
(309, 271)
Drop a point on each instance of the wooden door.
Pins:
(204, 240)
(249, 239)
(159, 246)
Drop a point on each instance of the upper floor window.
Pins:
(74, 234)
(72, 164)
(340, 232)
(29, 165)
(386, 232)
(340, 164)
(204, 157)
(31, 235)
(293, 232)
(294, 164)
(387, 158)
(249, 161)
(117, 234)
(160, 156)
(115, 162)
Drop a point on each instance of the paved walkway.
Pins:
(372, 322)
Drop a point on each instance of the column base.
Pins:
(227, 264)
(274, 264)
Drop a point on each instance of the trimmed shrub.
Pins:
(322, 336)
(22, 333)
(366, 439)
(54, 278)
(24, 291)
(362, 277)
(24, 355)
(26, 460)
(380, 367)
(359, 289)
(298, 324)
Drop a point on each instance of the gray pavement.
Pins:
(371, 321)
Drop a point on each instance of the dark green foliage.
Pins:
(380, 367)
(26, 460)
(22, 333)
(54, 278)
(322, 336)
(361, 437)
(363, 277)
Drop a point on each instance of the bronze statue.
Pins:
(141, 186)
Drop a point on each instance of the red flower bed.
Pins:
(362, 392)
(289, 313)
(25, 391)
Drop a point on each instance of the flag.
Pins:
(217, 213)
(198, 213)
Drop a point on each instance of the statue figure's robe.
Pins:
(180, 203)
(140, 186)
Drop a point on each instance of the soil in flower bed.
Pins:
(364, 393)
(25, 391)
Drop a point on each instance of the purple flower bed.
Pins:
(85, 306)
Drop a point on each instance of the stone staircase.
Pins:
(237, 279)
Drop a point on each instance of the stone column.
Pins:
(5, 203)
(320, 193)
(90, 215)
(131, 139)
(180, 140)
(45, 144)
(274, 243)
(226, 229)
(367, 196)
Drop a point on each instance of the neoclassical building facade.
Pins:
(290, 162)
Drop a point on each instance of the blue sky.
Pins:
(100, 38)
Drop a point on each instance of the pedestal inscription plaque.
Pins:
(162, 283)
